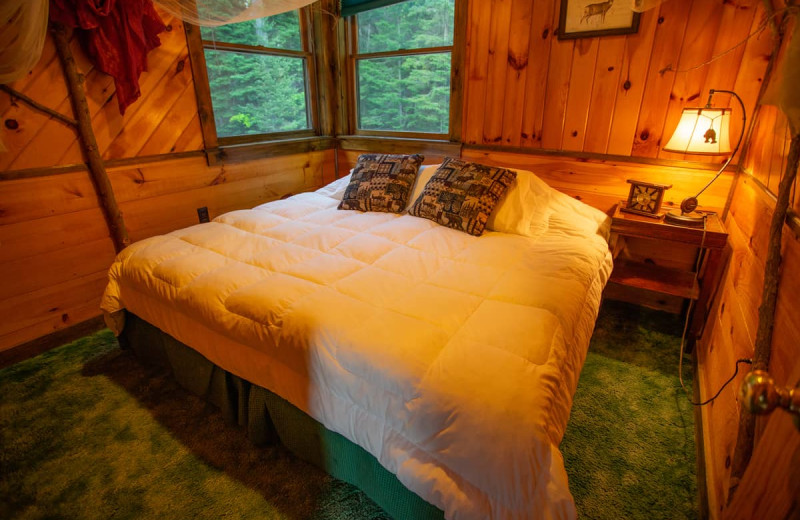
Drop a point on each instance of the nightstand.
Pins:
(655, 264)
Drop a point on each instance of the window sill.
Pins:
(262, 149)
(393, 144)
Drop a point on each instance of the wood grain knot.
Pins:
(517, 62)
(11, 124)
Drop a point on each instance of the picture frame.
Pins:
(590, 18)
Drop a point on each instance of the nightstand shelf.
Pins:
(664, 280)
(656, 264)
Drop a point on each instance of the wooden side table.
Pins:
(655, 264)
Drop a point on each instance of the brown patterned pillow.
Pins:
(462, 195)
(381, 182)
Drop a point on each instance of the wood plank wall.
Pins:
(611, 95)
(163, 120)
(731, 335)
(55, 248)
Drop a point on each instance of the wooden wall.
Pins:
(603, 105)
(163, 120)
(610, 95)
(769, 482)
(55, 249)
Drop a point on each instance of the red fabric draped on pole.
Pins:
(117, 35)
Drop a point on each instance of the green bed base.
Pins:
(268, 418)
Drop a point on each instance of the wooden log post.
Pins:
(94, 161)
(745, 441)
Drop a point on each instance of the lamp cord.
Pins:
(686, 328)
(758, 31)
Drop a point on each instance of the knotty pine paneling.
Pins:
(610, 95)
(735, 319)
(162, 120)
(769, 146)
(55, 249)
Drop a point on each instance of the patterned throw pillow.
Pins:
(381, 182)
(462, 195)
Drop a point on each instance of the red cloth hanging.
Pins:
(117, 35)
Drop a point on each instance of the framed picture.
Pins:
(589, 18)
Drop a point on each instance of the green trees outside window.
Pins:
(403, 67)
(257, 73)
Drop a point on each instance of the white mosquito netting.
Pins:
(211, 13)
(24, 24)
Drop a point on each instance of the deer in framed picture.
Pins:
(597, 9)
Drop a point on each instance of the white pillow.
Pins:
(424, 174)
(525, 207)
(578, 218)
(335, 190)
(522, 210)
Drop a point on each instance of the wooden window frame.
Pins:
(457, 52)
(214, 144)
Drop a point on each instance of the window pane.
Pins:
(414, 24)
(281, 31)
(405, 93)
(256, 93)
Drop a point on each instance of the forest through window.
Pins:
(402, 67)
(260, 83)
(257, 72)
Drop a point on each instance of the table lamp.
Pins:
(703, 131)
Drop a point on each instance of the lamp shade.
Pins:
(702, 131)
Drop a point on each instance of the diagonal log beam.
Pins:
(38, 106)
(80, 107)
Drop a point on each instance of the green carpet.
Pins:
(629, 447)
(87, 432)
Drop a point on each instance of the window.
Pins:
(258, 75)
(401, 68)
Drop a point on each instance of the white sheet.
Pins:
(450, 358)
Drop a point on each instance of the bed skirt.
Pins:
(268, 418)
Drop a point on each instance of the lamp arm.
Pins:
(689, 204)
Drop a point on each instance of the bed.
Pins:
(450, 358)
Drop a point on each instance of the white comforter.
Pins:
(450, 358)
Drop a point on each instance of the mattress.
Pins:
(419, 343)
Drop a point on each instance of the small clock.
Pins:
(645, 198)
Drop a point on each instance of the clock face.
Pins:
(644, 198)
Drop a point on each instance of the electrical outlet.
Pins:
(202, 214)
